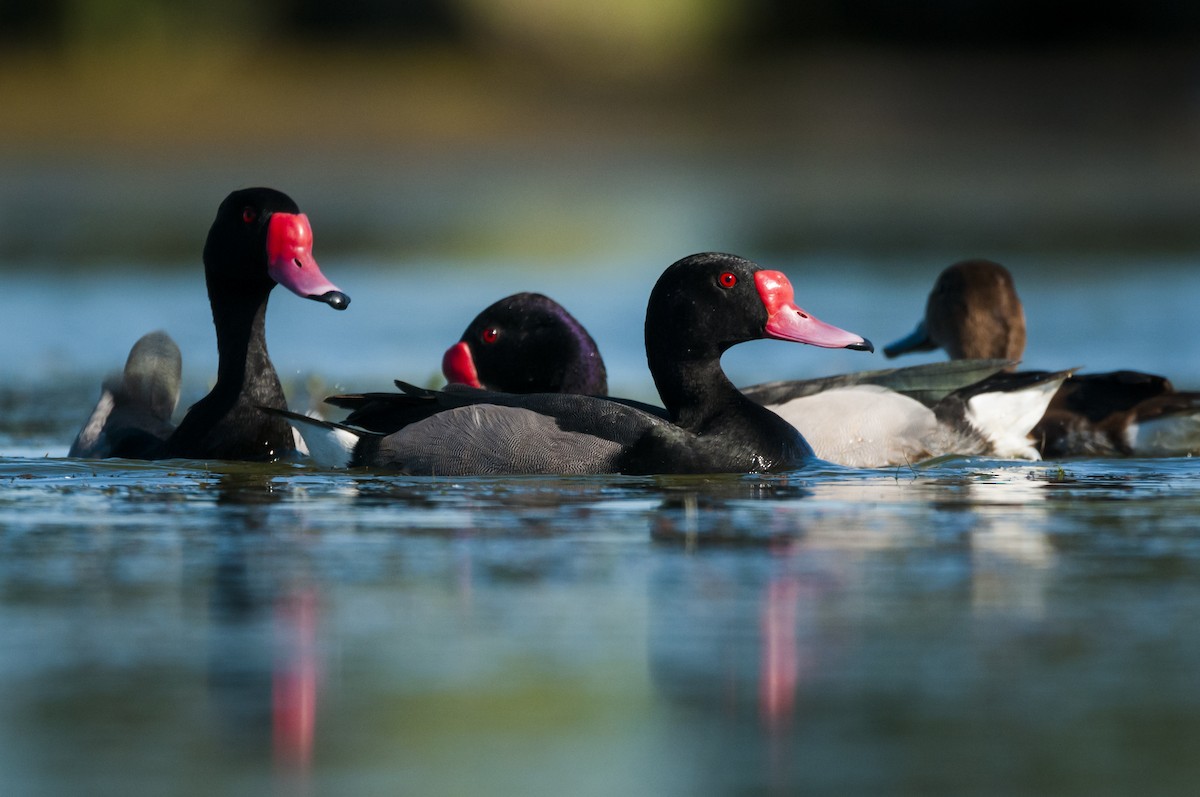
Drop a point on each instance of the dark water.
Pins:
(966, 627)
(973, 627)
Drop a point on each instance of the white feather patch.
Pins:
(329, 446)
(1007, 417)
(85, 443)
(1167, 436)
(866, 426)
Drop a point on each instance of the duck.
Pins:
(259, 239)
(527, 343)
(973, 310)
(869, 419)
(522, 343)
(135, 407)
(700, 306)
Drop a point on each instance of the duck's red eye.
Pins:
(728, 279)
(249, 215)
(489, 335)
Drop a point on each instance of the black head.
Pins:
(527, 343)
(705, 303)
(259, 239)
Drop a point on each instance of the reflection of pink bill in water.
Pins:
(780, 663)
(294, 681)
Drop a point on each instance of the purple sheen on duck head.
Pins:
(458, 366)
(290, 261)
(786, 321)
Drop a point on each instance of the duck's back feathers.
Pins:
(381, 412)
(928, 383)
(1097, 396)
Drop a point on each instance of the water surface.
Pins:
(962, 627)
(971, 627)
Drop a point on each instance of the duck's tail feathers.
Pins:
(329, 444)
(1005, 408)
(388, 412)
(414, 390)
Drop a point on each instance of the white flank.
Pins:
(1167, 436)
(1007, 418)
(865, 426)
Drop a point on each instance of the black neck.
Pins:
(693, 391)
(700, 398)
(240, 322)
(227, 423)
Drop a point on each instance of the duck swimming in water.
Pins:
(258, 240)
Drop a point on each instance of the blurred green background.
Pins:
(548, 131)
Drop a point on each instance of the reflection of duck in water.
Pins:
(974, 311)
(732, 644)
(263, 659)
(786, 664)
